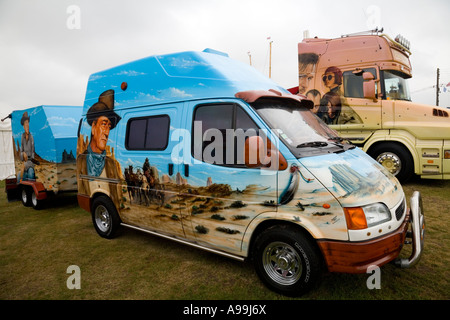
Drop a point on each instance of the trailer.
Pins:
(44, 147)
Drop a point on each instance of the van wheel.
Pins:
(105, 217)
(286, 260)
(25, 196)
(395, 158)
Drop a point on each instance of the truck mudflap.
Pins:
(416, 235)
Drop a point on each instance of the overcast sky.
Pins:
(47, 54)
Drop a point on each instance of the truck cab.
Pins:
(360, 88)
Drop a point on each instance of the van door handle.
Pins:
(170, 169)
(186, 170)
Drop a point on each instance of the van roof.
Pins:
(175, 77)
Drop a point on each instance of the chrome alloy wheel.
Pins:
(282, 263)
(102, 218)
(390, 161)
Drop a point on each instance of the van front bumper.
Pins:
(357, 257)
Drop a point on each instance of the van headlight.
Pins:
(367, 216)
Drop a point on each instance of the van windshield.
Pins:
(300, 129)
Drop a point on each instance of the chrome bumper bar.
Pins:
(417, 233)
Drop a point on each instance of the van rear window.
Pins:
(148, 133)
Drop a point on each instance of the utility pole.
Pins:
(437, 88)
(250, 57)
(270, 56)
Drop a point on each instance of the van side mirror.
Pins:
(369, 86)
(263, 155)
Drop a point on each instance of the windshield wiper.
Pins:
(314, 144)
(338, 139)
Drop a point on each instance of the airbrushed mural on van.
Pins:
(204, 150)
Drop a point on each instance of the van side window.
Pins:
(148, 133)
(353, 83)
(224, 128)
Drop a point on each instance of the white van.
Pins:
(204, 150)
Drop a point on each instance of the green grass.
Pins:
(37, 247)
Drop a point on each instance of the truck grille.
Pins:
(400, 210)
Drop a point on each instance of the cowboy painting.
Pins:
(94, 161)
(27, 149)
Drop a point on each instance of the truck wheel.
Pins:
(26, 196)
(286, 260)
(395, 158)
(105, 217)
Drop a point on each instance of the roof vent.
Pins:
(220, 53)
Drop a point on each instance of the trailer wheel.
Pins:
(395, 158)
(37, 204)
(286, 260)
(105, 217)
(25, 196)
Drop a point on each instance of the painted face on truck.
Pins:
(305, 76)
(100, 134)
(329, 80)
(306, 69)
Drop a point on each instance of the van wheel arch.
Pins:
(273, 223)
(395, 157)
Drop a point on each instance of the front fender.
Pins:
(399, 136)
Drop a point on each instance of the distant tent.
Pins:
(6, 150)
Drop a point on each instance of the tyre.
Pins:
(105, 217)
(286, 260)
(395, 158)
(35, 203)
(25, 196)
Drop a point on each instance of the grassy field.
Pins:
(37, 247)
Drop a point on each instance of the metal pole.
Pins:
(270, 60)
(437, 88)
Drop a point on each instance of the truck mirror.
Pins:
(369, 86)
(263, 155)
(368, 76)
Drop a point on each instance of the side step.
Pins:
(192, 244)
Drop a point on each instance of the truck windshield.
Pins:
(395, 85)
(300, 129)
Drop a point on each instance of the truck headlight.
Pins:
(366, 216)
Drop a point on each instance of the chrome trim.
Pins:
(417, 234)
(91, 178)
(192, 244)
